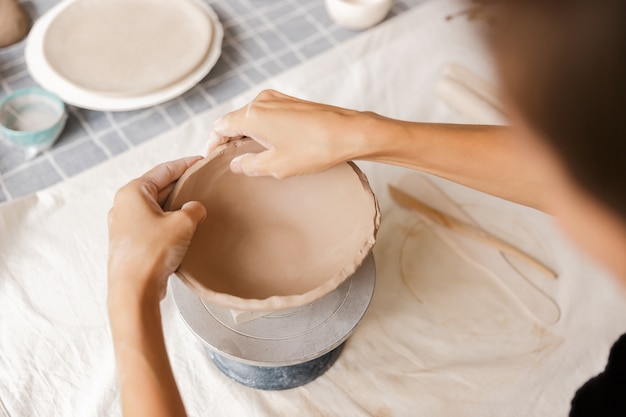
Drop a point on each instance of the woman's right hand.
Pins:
(301, 137)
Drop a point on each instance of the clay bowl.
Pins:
(270, 244)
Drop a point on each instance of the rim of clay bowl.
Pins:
(278, 302)
(36, 92)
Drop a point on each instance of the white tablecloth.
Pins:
(442, 337)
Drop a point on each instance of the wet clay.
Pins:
(127, 47)
(270, 244)
(13, 23)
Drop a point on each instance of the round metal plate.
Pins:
(285, 337)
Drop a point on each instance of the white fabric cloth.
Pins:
(442, 337)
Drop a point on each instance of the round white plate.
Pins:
(113, 97)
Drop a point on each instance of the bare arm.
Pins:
(145, 377)
(483, 157)
(146, 245)
(304, 137)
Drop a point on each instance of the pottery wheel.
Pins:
(284, 337)
(127, 47)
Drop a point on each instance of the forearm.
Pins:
(479, 156)
(145, 376)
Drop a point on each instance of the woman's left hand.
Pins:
(147, 244)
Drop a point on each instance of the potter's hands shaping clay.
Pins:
(147, 244)
(326, 135)
(273, 244)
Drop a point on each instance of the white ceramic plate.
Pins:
(75, 94)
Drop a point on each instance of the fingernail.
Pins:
(217, 120)
(212, 141)
(235, 165)
(218, 123)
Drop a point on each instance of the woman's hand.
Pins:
(301, 137)
(147, 244)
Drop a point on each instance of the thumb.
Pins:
(194, 211)
(253, 164)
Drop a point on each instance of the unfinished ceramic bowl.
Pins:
(270, 244)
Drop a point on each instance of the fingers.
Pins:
(195, 211)
(221, 133)
(242, 122)
(166, 173)
(277, 121)
(252, 164)
(154, 186)
(266, 163)
(164, 193)
(144, 238)
(228, 127)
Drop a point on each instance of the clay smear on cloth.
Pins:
(270, 244)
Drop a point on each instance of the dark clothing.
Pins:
(605, 394)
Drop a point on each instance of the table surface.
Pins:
(262, 38)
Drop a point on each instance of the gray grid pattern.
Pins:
(262, 38)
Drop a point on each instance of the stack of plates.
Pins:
(120, 55)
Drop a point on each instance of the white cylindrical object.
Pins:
(358, 14)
